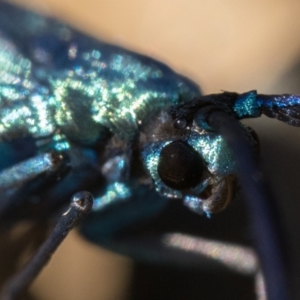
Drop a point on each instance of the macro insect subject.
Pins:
(111, 128)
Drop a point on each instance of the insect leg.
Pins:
(81, 204)
(237, 258)
(17, 176)
(263, 214)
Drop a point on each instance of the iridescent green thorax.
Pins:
(24, 104)
(117, 91)
(98, 88)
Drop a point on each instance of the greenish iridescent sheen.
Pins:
(214, 151)
(24, 105)
(101, 88)
(115, 192)
(211, 147)
(247, 105)
(112, 111)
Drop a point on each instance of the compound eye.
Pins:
(180, 167)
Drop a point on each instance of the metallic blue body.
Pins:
(106, 113)
(72, 94)
(79, 114)
(62, 91)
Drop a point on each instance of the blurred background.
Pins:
(230, 45)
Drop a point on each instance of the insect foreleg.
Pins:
(81, 205)
(23, 172)
(263, 212)
(237, 258)
(13, 179)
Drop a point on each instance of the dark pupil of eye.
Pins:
(180, 123)
(180, 166)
